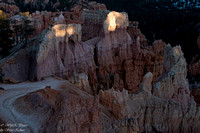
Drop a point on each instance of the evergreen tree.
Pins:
(5, 35)
(17, 28)
(27, 28)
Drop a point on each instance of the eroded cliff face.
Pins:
(110, 56)
(116, 81)
(173, 83)
(65, 109)
(154, 109)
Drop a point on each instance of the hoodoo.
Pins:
(90, 70)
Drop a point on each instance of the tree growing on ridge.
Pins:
(26, 27)
(5, 35)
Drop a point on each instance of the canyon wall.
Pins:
(116, 58)
(114, 81)
(154, 109)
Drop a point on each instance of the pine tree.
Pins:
(26, 28)
(5, 35)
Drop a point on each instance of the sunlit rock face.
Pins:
(61, 53)
(64, 32)
(102, 22)
(116, 20)
(121, 55)
(116, 59)
(117, 66)
(57, 51)
(60, 34)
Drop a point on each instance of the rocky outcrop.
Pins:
(118, 54)
(62, 52)
(146, 111)
(41, 20)
(60, 19)
(93, 24)
(67, 110)
(172, 83)
(116, 58)
(122, 57)
(81, 81)
(116, 20)
(146, 84)
(115, 101)
(108, 58)
(59, 53)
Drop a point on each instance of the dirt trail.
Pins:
(14, 91)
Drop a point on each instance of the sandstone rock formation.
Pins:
(64, 110)
(145, 112)
(60, 19)
(147, 82)
(116, 20)
(114, 81)
(115, 101)
(118, 51)
(173, 83)
(93, 23)
(116, 59)
(127, 60)
(41, 20)
(81, 81)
